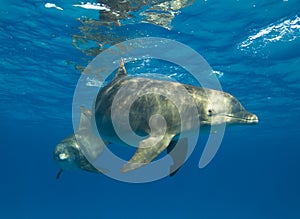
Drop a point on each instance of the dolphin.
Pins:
(156, 119)
(69, 154)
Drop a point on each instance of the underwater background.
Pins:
(253, 47)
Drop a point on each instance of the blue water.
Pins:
(254, 45)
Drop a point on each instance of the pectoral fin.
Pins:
(178, 154)
(148, 149)
(90, 168)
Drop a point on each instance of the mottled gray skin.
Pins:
(214, 107)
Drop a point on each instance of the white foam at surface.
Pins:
(93, 6)
(219, 74)
(51, 5)
(285, 31)
(91, 82)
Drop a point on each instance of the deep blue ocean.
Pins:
(252, 46)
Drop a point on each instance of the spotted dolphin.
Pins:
(70, 153)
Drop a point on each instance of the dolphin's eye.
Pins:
(210, 112)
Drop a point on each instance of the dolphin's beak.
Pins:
(59, 173)
(248, 118)
(243, 117)
(252, 119)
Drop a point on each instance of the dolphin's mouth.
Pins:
(249, 118)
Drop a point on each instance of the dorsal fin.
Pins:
(85, 118)
(121, 71)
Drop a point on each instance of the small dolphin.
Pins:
(69, 155)
(214, 107)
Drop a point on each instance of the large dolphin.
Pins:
(213, 107)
